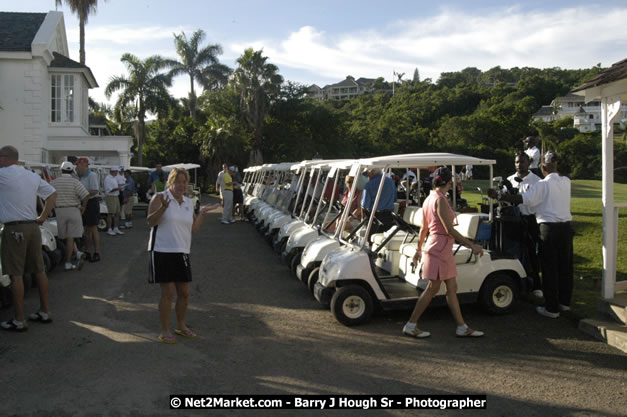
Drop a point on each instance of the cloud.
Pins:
(577, 37)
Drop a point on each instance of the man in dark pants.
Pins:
(550, 199)
(523, 180)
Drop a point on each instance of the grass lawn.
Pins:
(587, 214)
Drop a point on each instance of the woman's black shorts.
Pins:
(169, 267)
(92, 212)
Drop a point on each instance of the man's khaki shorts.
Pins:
(113, 204)
(69, 222)
(21, 254)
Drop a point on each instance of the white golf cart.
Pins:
(327, 209)
(357, 277)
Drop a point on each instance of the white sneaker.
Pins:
(118, 231)
(69, 266)
(564, 307)
(110, 232)
(541, 310)
(128, 225)
(415, 332)
(233, 221)
(538, 293)
(225, 222)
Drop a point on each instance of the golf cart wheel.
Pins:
(352, 305)
(313, 278)
(498, 294)
(102, 223)
(294, 262)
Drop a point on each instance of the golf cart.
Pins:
(378, 272)
(327, 209)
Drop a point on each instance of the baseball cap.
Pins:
(67, 166)
(114, 168)
(233, 168)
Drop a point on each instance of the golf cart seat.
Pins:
(413, 216)
(468, 225)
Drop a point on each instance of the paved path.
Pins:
(262, 333)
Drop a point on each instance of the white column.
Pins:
(610, 108)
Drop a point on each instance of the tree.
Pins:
(145, 86)
(202, 65)
(416, 77)
(257, 83)
(82, 8)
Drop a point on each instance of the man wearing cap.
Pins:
(534, 154)
(91, 215)
(112, 198)
(71, 195)
(219, 185)
(550, 199)
(21, 238)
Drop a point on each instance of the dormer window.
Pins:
(62, 98)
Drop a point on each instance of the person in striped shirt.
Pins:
(71, 203)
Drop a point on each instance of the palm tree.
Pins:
(202, 65)
(145, 88)
(257, 82)
(82, 8)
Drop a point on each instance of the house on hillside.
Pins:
(344, 90)
(44, 109)
(586, 116)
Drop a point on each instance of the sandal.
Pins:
(39, 316)
(11, 325)
(469, 333)
(185, 333)
(169, 340)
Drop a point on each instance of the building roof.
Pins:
(348, 82)
(616, 72)
(61, 61)
(570, 97)
(544, 111)
(363, 81)
(17, 30)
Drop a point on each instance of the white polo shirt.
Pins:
(173, 234)
(549, 198)
(111, 183)
(19, 189)
(527, 182)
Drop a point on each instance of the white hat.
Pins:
(67, 166)
(114, 168)
(233, 168)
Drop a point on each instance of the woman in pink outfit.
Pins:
(438, 262)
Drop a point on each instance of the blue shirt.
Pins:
(154, 175)
(90, 182)
(129, 189)
(388, 194)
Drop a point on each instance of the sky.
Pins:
(324, 41)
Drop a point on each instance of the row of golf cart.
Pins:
(347, 261)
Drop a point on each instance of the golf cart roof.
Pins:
(186, 166)
(422, 160)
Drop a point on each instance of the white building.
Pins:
(586, 116)
(344, 90)
(43, 94)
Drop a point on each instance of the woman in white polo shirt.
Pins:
(172, 221)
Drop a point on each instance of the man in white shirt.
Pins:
(112, 198)
(534, 154)
(523, 180)
(549, 198)
(21, 238)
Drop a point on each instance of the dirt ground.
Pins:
(261, 332)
